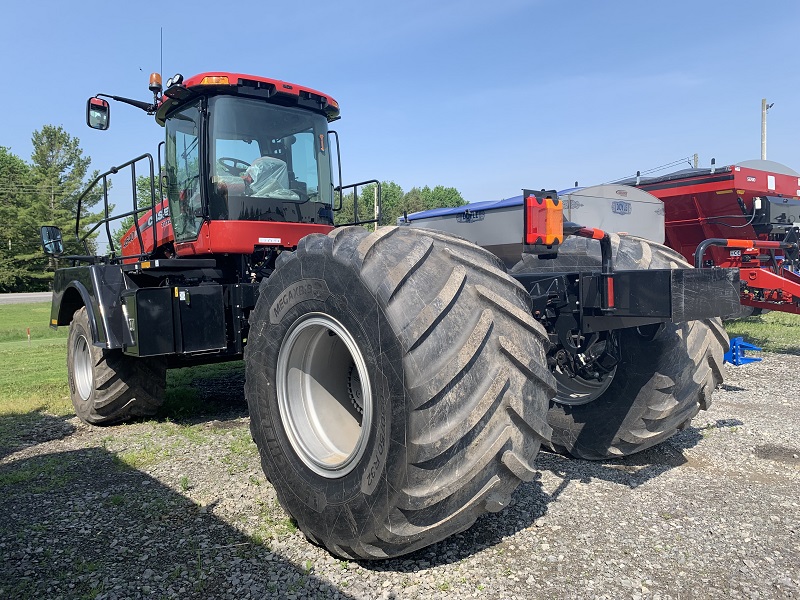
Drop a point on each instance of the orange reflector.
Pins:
(544, 220)
(610, 291)
(217, 80)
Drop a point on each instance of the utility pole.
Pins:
(764, 108)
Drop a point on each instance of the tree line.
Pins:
(395, 202)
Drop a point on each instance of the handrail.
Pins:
(737, 243)
(355, 187)
(107, 218)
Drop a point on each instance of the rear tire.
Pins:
(397, 388)
(105, 385)
(661, 382)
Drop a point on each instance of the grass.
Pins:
(272, 523)
(774, 332)
(142, 457)
(241, 449)
(15, 319)
(196, 392)
(40, 474)
(33, 377)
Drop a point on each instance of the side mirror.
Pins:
(52, 243)
(98, 113)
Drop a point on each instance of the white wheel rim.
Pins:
(82, 367)
(321, 376)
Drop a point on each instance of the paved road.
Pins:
(25, 297)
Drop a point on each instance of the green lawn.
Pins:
(15, 319)
(33, 376)
(774, 332)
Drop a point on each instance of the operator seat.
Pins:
(269, 177)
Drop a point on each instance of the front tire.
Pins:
(397, 388)
(105, 385)
(665, 375)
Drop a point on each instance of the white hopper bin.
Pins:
(497, 225)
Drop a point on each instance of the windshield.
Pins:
(268, 163)
(183, 172)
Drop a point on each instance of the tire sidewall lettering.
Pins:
(300, 291)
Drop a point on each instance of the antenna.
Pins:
(161, 66)
(764, 108)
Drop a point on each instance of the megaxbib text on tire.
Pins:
(105, 385)
(661, 381)
(396, 386)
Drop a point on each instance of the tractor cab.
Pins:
(246, 164)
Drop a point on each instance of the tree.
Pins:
(441, 197)
(366, 203)
(15, 189)
(410, 203)
(44, 192)
(60, 170)
(391, 199)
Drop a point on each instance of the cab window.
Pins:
(183, 172)
(266, 163)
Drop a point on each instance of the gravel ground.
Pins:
(180, 509)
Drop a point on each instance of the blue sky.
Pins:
(487, 97)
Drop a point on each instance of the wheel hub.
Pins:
(355, 391)
(585, 377)
(82, 367)
(324, 396)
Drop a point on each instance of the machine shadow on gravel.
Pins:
(77, 524)
(19, 431)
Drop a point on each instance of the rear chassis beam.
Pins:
(609, 299)
(642, 297)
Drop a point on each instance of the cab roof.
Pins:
(239, 84)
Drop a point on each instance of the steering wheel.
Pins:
(233, 165)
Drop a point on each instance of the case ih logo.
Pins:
(621, 208)
(623, 193)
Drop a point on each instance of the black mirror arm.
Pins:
(145, 106)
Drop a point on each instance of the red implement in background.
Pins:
(754, 200)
